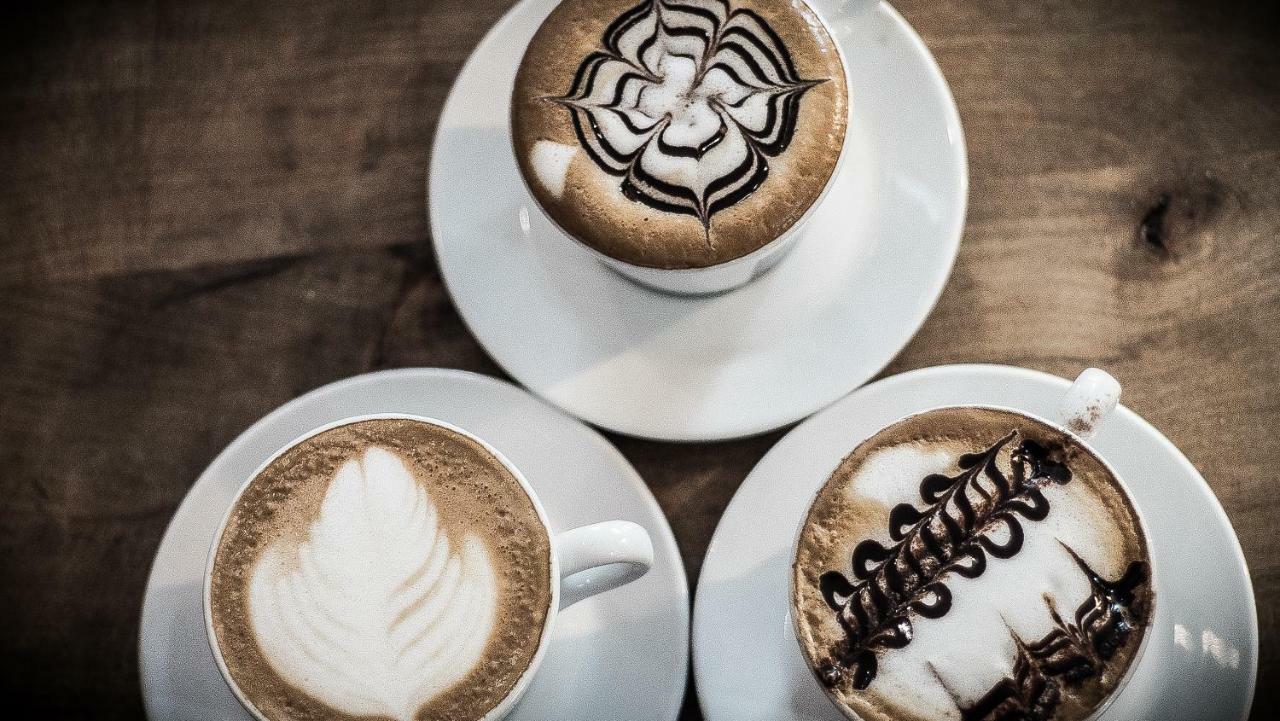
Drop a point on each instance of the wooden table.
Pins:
(209, 207)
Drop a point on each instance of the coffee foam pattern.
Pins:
(376, 613)
(686, 104)
(386, 568)
(703, 129)
(953, 660)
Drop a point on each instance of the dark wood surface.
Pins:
(209, 207)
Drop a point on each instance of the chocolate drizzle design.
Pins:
(681, 87)
(1071, 653)
(957, 529)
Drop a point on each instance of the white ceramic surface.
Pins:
(1200, 663)
(622, 654)
(860, 281)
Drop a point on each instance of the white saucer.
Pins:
(620, 655)
(1201, 661)
(871, 263)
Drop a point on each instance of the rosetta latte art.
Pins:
(377, 612)
(686, 102)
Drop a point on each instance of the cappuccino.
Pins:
(386, 568)
(972, 564)
(679, 134)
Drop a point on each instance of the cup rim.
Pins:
(526, 677)
(1143, 530)
(754, 256)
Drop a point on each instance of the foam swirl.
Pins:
(686, 102)
(376, 613)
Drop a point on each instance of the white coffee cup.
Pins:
(585, 561)
(1081, 412)
(730, 274)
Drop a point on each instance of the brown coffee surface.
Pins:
(926, 588)
(473, 493)
(632, 200)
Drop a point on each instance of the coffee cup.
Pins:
(395, 565)
(684, 143)
(977, 563)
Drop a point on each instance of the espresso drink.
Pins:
(679, 133)
(387, 569)
(971, 564)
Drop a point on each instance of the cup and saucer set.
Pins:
(724, 342)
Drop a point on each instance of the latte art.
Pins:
(386, 568)
(686, 102)
(971, 564)
(968, 521)
(377, 612)
(679, 133)
(1074, 652)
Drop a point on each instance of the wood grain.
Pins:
(207, 208)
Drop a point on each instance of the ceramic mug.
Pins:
(585, 561)
(730, 274)
(1081, 412)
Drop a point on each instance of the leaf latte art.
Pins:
(686, 102)
(377, 611)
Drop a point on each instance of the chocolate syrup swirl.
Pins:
(730, 100)
(1071, 653)
(957, 529)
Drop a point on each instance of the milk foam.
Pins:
(940, 664)
(551, 164)
(378, 611)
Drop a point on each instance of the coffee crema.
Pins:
(386, 568)
(679, 133)
(971, 564)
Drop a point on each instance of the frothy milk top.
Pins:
(967, 563)
(679, 133)
(369, 589)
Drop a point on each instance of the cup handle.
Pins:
(600, 557)
(1092, 396)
